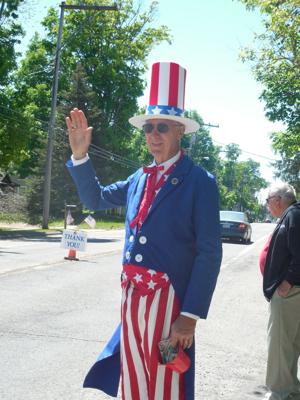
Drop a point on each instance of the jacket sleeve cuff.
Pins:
(187, 314)
(79, 162)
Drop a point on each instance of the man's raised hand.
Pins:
(80, 134)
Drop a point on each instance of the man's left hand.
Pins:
(284, 288)
(182, 332)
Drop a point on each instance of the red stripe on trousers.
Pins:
(173, 88)
(154, 359)
(146, 348)
(135, 301)
(134, 388)
(167, 384)
(154, 85)
(181, 388)
(151, 356)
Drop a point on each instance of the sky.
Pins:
(207, 38)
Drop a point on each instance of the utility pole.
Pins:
(48, 168)
(193, 137)
(47, 182)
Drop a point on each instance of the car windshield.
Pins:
(232, 216)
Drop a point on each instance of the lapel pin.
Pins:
(174, 181)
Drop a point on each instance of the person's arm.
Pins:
(92, 194)
(208, 248)
(206, 265)
(293, 274)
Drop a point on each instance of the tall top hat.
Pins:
(167, 91)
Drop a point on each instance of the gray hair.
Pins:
(285, 191)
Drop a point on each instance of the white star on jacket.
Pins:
(138, 278)
(151, 284)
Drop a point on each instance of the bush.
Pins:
(13, 207)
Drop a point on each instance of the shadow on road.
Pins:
(28, 234)
(41, 236)
(9, 252)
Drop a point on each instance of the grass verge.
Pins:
(11, 228)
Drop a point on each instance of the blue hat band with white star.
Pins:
(164, 110)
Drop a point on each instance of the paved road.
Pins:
(37, 250)
(56, 316)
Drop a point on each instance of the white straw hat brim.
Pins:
(190, 125)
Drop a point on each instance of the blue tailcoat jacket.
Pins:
(180, 236)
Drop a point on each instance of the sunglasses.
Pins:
(161, 127)
(269, 198)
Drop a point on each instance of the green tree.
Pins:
(287, 144)
(248, 183)
(63, 190)
(10, 35)
(276, 65)
(232, 152)
(115, 59)
(137, 148)
(200, 146)
(240, 182)
(27, 111)
(112, 49)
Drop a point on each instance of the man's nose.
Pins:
(155, 131)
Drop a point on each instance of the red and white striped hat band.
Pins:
(167, 92)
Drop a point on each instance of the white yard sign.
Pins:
(75, 240)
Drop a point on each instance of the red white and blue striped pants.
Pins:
(147, 316)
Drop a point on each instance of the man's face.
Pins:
(274, 205)
(163, 138)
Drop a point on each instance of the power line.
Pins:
(95, 150)
(114, 157)
(108, 155)
(105, 154)
(99, 154)
(124, 130)
(246, 152)
(5, 116)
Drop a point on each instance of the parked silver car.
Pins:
(235, 226)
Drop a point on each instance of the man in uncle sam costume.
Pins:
(172, 250)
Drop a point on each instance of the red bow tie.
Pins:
(154, 169)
